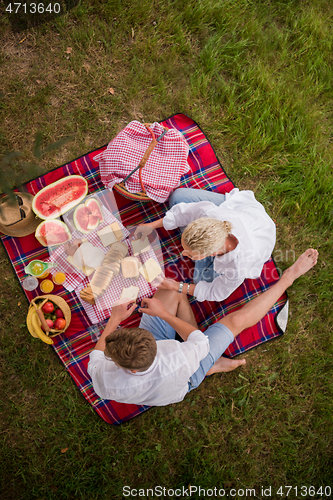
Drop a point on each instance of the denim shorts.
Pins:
(219, 336)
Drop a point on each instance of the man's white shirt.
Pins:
(165, 381)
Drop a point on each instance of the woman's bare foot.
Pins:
(225, 365)
(303, 264)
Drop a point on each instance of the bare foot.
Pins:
(303, 264)
(225, 365)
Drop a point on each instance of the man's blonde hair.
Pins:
(206, 235)
(131, 348)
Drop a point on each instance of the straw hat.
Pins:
(16, 216)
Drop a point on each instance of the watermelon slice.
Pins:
(94, 207)
(88, 216)
(52, 232)
(59, 197)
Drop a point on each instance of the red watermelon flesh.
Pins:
(59, 197)
(52, 232)
(88, 216)
(93, 221)
(95, 208)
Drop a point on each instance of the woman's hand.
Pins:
(169, 284)
(143, 231)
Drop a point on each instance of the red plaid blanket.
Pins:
(74, 346)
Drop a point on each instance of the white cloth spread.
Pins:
(253, 228)
(165, 381)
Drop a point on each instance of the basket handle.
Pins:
(146, 155)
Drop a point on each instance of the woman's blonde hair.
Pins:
(131, 348)
(206, 235)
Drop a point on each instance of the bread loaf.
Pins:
(110, 267)
(87, 295)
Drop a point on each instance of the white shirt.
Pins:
(165, 381)
(253, 228)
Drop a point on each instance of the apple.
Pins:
(48, 307)
(59, 324)
(49, 322)
(59, 313)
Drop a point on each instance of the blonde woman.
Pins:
(229, 237)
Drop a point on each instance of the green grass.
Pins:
(256, 76)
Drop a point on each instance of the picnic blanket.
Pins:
(73, 347)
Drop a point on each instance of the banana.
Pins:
(29, 323)
(35, 321)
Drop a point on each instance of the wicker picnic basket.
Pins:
(141, 195)
(61, 303)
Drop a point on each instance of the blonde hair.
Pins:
(131, 348)
(206, 235)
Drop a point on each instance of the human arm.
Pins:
(170, 284)
(217, 290)
(119, 313)
(144, 230)
(182, 214)
(154, 307)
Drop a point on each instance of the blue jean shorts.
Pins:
(219, 336)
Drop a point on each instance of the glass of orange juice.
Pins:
(59, 278)
(46, 286)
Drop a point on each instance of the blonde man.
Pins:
(229, 237)
(147, 366)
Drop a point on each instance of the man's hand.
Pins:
(153, 307)
(142, 231)
(120, 311)
(169, 284)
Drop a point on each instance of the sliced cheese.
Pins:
(110, 234)
(107, 236)
(140, 246)
(130, 293)
(117, 230)
(130, 267)
(150, 270)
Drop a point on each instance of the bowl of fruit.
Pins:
(48, 316)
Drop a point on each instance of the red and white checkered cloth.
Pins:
(73, 276)
(102, 309)
(163, 170)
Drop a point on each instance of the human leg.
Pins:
(258, 307)
(157, 326)
(178, 305)
(189, 195)
(169, 298)
(185, 312)
(220, 337)
(249, 315)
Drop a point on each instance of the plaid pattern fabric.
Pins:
(102, 309)
(163, 170)
(73, 347)
(73, 276)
